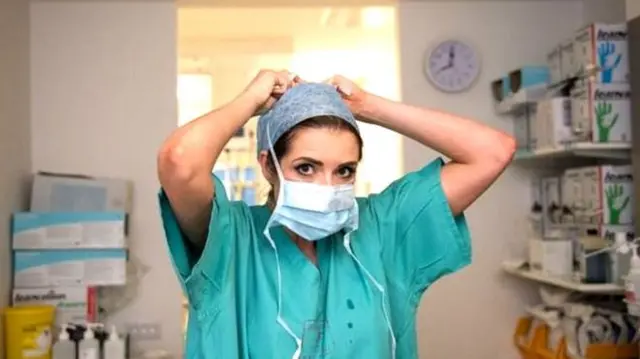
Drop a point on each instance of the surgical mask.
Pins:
(315, 211)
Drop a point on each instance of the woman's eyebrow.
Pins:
(309, 159)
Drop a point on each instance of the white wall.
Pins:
(473, 314)
(633, 9)
(103, 99)
(15, 149)
(609, 11)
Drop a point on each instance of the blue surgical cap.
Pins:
(300, 103)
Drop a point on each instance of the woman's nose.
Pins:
(325, 179)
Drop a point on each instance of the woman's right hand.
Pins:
(267, 87)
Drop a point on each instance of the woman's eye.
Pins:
(305, 169)
(346, 172)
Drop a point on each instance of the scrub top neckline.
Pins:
(288, 249)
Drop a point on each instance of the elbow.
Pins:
(174, 166)
(504, 148)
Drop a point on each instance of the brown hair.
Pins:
(281, 147)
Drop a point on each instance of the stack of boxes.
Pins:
(580, 212)
(601, 104)
(590, 73)
(71, 241)
(581, 209)
(597, 109)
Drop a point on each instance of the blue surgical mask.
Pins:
(315, 211)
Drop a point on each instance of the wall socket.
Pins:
(144, 331)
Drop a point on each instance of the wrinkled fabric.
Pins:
(407, 238)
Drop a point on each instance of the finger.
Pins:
(298, 80)
(345, 89)
(281, 82)
(341, 84)
(331, 81)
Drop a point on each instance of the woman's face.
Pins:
(326, 156)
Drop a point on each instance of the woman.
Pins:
(316, 273)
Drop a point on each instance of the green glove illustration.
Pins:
(613, 194)
(603, 110)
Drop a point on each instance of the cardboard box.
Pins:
(65, 230)
(75, 305)
(554, 62)
(608, 194)
(54, 268)
(603, 49)
(54, 192)
(568, 67)
(601, 112)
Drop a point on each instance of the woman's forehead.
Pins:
(325, 143)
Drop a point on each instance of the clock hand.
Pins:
(445, 67)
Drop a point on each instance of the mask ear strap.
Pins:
(277, 167)
(273, 156)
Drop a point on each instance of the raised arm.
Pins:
(187, 157)
(478, 153)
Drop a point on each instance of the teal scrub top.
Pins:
(407, 238)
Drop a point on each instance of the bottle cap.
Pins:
(64, 334)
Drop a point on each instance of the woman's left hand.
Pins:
(353, 96)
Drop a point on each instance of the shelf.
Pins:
(514, 102)
(516, 269)
(618, 151)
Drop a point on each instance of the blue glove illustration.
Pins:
(605, 51)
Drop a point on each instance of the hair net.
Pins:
(300, 103)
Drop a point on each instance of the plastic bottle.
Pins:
(89, 346)
(114, 346)
(64, 348)
(632, 283)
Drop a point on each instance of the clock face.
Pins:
(452, 66)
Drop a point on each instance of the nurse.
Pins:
(316, 272)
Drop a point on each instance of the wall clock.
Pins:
(452, 66)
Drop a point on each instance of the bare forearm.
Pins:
(479, 153)
(198, 144)
(462, 140)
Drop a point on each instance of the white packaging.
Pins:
(74, 305)
(603, 47)
(551, 206)
(553, 257)
(572, 197)
(567, 59)
(557, 258)
(54, 192)
(522, 130)
(554, 63)
(608, 194)
(601, 112)
(64, 230)
(557, 118)
(541, 125)
(53, 268)
(535, 253)
(536, 226)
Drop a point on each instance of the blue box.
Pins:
(59, 268)
(529, 76)
(506, 87)
(68, 230)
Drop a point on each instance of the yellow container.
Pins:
(28, 332)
